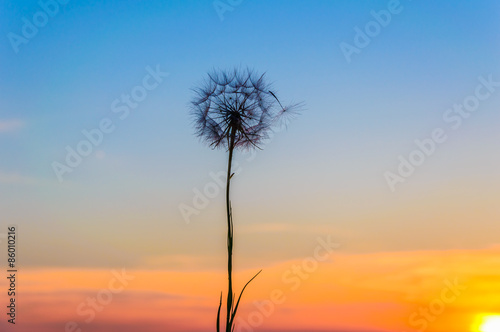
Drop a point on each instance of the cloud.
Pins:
(11, 125)
(184, 262)
(275, 227)
(15, 178)
(366, 292)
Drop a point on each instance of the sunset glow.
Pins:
(487, 323)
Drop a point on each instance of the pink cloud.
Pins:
(10, 125)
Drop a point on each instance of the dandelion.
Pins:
(236, 110)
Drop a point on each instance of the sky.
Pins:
(374, 210)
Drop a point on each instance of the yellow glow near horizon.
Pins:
(488, 323)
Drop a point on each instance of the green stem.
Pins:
(229, 235)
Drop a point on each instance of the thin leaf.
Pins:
(218, 313)
(239, 298)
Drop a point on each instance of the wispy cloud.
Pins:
(349, 293)
(276, 227)
(185, 262)
(10, 125)
(15, 178)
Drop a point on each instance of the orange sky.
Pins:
(379, 292)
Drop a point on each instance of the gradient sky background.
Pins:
(323, 176)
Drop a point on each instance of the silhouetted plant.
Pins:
(235, 110)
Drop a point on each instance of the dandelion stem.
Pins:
(229, 233)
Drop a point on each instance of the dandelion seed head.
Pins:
(236, 106)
